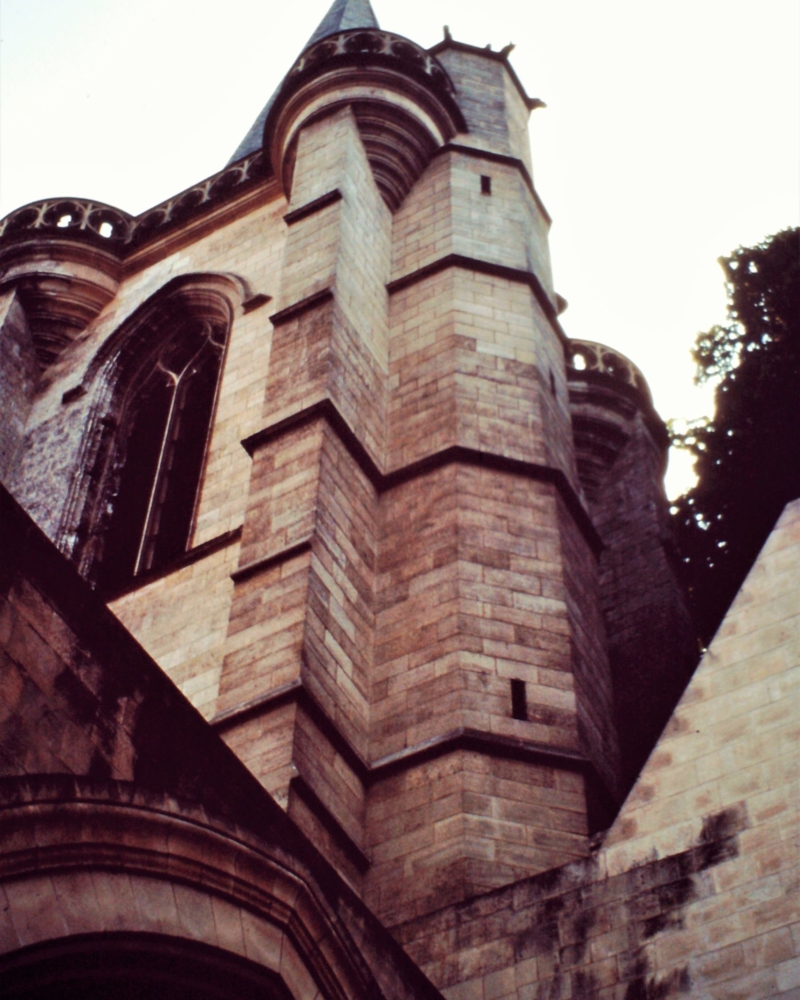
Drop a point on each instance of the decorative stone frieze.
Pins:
(113, 229)
(64, 256)
(606, 392)
(371, 44)
(210, 193)
(74, 217)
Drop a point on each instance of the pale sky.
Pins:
(671, 136)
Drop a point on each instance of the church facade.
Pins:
(342, 639)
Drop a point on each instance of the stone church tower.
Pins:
(313, 432)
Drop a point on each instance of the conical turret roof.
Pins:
(344, 15)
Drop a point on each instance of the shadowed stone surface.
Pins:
(425, 626)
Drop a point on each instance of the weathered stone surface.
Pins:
(122, 811)
(18, 377)
(426, 614)
(693, 890)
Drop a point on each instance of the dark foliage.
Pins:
(747, 456)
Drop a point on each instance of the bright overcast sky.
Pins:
(671, 136)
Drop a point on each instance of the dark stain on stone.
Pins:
(554, 990)
(556, 914)
(548, 880)
(577, 932)
(584, 986)
(675, 894)
(651, 988)
(721, 825)
(716, 852)
(541, 937)
(682, 981)
(655, 924)
(583, 924)
(718, 837)
(637, 988)
(81, 702)
(662, 889)
(658, 923)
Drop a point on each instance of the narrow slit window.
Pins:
(519, 700)
(486, 184)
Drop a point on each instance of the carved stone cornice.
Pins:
(73, 218)
(401, 96)
(585, 357)
(208, 194)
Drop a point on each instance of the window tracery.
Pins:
(158, 458)
(154, 391)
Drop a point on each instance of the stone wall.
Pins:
(695, 889)
(427, 570)
(128, 827)
(390, 537)
(18, 375)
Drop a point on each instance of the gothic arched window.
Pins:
(158, 458)
(147, 438)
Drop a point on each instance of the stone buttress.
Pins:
(416, 662)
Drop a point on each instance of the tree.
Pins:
(747, 456)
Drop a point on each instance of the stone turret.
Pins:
(434, 696)
(621, 450)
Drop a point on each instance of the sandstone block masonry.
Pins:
(426, 602)
(396, 603)
(415, 470)
(695, 889)
(134, 846)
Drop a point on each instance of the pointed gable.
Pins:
(732, 743)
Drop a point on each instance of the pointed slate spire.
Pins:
(344, 15)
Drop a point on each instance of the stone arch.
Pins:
(153, 389)
(120, 873)
(134, 966)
